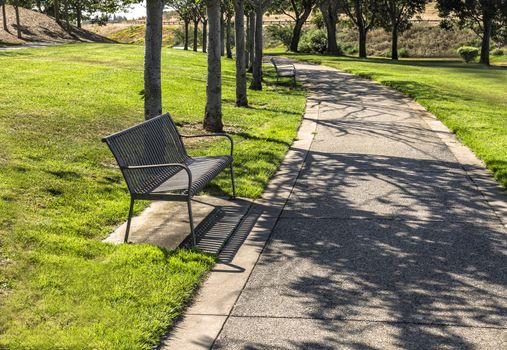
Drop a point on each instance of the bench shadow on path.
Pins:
(428, 279)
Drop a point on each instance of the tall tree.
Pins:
(152, 59)
(195, 42)
(222, 34)
(395, 16)
(79, 12)
(4, 17)
(330, 13)
(56, 9)
(213, 112)
(195, 8)
(66, 15)
(204, 20)
(485, 17)
(228, 11)
(183, 9)
(260, 8)
(363, 13)
(250, 39)
(239, 26)
(299, 11)
(18, 21)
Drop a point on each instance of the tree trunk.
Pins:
(4, 17)
(66, 14)
(228, 39)
(296, 35)
(56, 10)
(486, 37)
(18, 22)
(204, 35)
(394, 43)
(213, 113)
(330, 18)
(196, 33)
(257, 64)
(251, 41)
(362, 43)
(185, 44)
(239, 26)
(152, 59)
(222, 35)
(79, 15)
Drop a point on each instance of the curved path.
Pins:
(393, 237)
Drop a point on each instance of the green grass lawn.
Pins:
(469, 98)
(61, 193)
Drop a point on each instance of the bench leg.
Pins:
(233, 184)
(129, 221)
(191, 220)
(295, 82)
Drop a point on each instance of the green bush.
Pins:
(468, 53)
(313, 41)
(497, 52)
(318, 20)
(403, 53)
(277, 34)
(349, 48)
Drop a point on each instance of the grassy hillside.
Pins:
(36, 26)
(135, 35)
(61, 192)
(469, 98)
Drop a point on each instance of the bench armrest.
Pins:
(213, 135)
(151, 166)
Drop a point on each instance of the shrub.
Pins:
(277, 35)
(349, 48)
(318, 20)
(468, 53)
(497, 52)
(313, 41)
(403, 53)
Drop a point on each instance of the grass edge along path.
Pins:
(470, 99)
(61, 287)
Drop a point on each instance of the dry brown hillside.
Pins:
(38, 27)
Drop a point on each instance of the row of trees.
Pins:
(65, 12)
(211, 13)
(488, 18)
(485, 16)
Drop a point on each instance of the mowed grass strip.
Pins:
(470, 99)
(61, 192)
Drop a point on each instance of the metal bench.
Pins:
(156, 165)
(284, 71)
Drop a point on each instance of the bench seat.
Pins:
(203, 170)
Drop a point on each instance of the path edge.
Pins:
(205, 317)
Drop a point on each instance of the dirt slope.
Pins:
(38, 27)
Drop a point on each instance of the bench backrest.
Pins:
(155, 141)
(274, 63)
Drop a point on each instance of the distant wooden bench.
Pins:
(284, 71)
(156, 165)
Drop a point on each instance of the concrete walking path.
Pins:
(393, 236)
